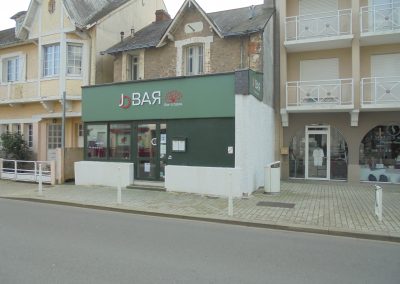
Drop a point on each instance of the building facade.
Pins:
(188, 107)
(55, 49)
(340, 89)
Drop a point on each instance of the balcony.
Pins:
(316, 96)
(319, 31)
(380, 24)
(380, 93)
(18, 91)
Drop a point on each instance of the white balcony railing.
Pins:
(380, 18)
(328, 24)
(380, 91)
(313, 94)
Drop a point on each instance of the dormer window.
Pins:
(52, 6)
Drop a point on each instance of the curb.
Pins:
(289, 228)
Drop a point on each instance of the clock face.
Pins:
(193, 27)
(393, 129)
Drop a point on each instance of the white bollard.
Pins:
(40, 189)
(119, 193)
(378, 202)
(230, 198)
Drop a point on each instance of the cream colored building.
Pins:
(55, 48)
(340, 89)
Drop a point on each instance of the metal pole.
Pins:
(378, 202)
(119, 193)
(40, 189)
(230, 198)
(63, 136)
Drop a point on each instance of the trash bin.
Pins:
(273, 178)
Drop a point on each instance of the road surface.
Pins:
(42, 243)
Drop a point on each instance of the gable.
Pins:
(188, 7)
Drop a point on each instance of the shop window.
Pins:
(380, 154)
(96, 144)
(51, 60)
(120, 141)
(74, 59)
(194, 60)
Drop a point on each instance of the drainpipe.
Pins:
(241, 52)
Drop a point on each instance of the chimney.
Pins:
(132, 32)
(252, 12)
(269, 3)
(162, 15)
(122, 36)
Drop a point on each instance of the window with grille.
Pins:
(54, 136)
(30, 135)
(74, 59)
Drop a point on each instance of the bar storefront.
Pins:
(180, 131)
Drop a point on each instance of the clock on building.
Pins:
(194, 27)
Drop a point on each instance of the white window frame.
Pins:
(54, 136)
(74, 59)
(30, 135)
(19, 68)
(134, 65)
(51, 58)
(13, 69)
(194, 59)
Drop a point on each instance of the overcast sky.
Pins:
(14, 6)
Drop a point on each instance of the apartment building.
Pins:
(188, 109)
(55, 49)
(340, 89)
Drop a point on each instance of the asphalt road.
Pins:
(41, 243)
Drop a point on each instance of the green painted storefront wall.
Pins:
(194, 97)
(207, 142)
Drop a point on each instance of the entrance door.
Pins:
(318, 154)
(151, 139)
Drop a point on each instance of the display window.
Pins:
(380, 154)
(318, 152)
(96, 135)
(120, 141)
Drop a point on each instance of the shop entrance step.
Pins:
(148, 185)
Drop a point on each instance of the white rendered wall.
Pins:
(254, 140)
(203, 180)
(103, 173)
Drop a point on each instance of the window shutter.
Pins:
(319, 69)
(385, 65)
(317, 6)
(22, 67)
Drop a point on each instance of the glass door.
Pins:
(318, 152)
(147, 151)
(151, 140)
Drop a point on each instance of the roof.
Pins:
(7, 37)
(87, 12)
(238, 21)
(229, 23)
(18, 15)
(147, 37)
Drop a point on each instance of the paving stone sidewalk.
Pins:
(338, 207)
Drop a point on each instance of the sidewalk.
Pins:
(329, 208)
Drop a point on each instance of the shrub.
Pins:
(15, 147)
